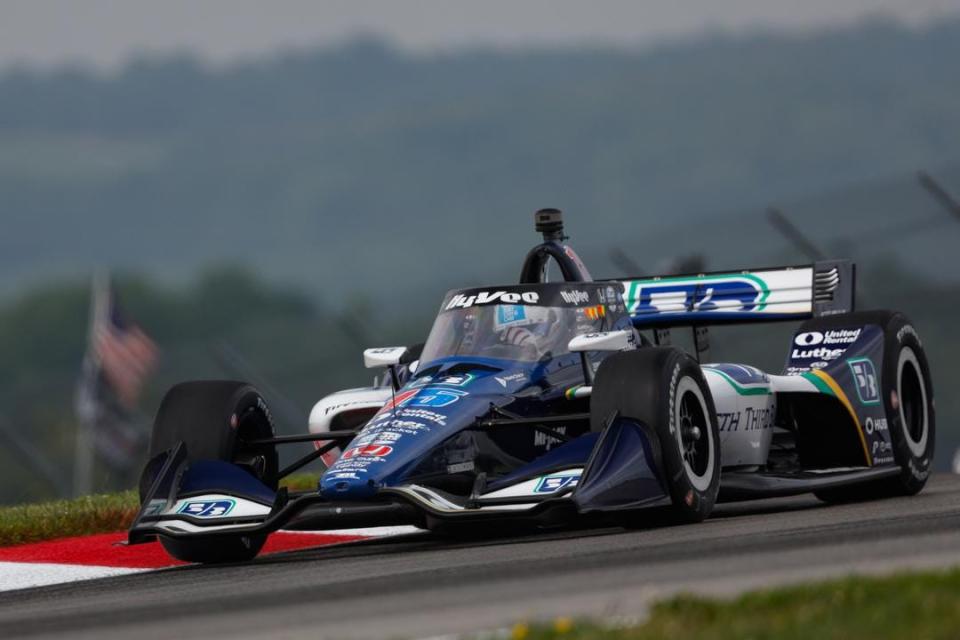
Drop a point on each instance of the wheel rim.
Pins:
(694, 434)
(912, 395)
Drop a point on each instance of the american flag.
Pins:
(120, 357)
(125, 353)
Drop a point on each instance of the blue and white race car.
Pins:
(544, 402)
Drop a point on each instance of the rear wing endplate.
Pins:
(765, 295)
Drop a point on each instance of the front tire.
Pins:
(213, 418)
(665, 389)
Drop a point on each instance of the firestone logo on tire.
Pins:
(368, 451)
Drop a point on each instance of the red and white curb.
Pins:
(102, 556)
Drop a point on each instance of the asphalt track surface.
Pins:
(421, 586)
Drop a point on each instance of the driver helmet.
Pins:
(523, 325)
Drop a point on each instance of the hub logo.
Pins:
(865, 378)
(670, 296)
(552, 484)
(207, 508)
(875, 425)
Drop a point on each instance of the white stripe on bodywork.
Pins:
(528, 487)
(792, 384)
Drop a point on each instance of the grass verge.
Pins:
(87, 515)
(910, 605)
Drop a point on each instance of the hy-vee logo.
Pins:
(488, 297)
(671, 296)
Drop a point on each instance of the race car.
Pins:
(547, 402)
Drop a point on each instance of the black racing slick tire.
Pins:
(907, 391)
(664, 388)
(214, 418)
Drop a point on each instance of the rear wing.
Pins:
(765, 295)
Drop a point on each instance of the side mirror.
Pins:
(622, 340)
(383, 357)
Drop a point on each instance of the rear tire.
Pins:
(665, 389)
(907, 392)
(212, 417)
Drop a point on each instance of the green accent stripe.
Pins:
(743, 391)
(819, 383)
(632, 300)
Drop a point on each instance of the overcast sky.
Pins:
(105, 33)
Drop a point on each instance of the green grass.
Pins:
(924, 606)
(88, 515)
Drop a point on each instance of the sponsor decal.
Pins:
(749, 419)
(407, 427)
(917, 472)
(595, 312)
(492, 297)
(155, 507)
(455, 381)
(832, 337)
(865, 377)
(513, 377)
(872, 425)
(423, 414)
(575, 296)
(722, 294)
(436, 398)
(508, 315)
(345, 475)
(460, 380)
(612, 296)
(367, 451)
(364, 438)
(552, 484)
(386, 437)
(460, 467)
(343, 405)
(908, 330)
(541, 439)
(399, 399)
(265, 409)
(823, 346)
(674, 378)
(819, 353)
(207, 508)
(383, 415)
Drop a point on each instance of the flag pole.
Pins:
(83, 451)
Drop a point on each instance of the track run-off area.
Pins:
(420, 585)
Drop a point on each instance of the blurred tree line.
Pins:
(296, 160)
